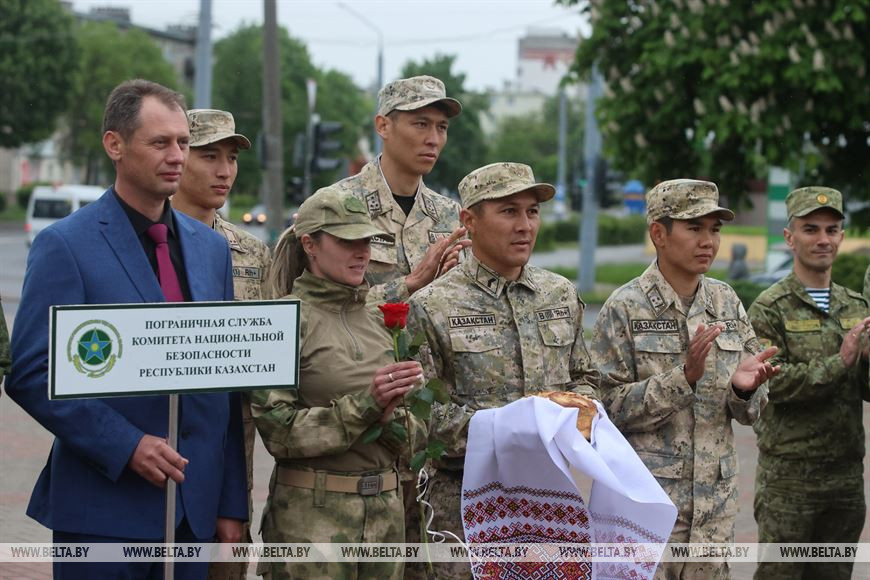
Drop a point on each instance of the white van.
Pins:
(50, 203)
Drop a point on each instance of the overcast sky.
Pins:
(482, 33)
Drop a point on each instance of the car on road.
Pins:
(48, 204)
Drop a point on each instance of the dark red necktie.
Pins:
(165, 270)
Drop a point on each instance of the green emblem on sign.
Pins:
(94, 347)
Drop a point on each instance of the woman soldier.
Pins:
(329, 485)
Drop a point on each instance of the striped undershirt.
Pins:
(821, 296)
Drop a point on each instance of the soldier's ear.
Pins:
(657, 233)
(381, 123)
(468, 219)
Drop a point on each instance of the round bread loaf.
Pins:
(587, 407)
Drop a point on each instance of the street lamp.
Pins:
(376, 141)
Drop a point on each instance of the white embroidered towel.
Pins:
(526, 480)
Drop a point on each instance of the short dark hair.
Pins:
(668, 222)
(125, 102)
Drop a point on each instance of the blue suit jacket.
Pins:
(94, 257)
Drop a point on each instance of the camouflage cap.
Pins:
(499, 180)
(684, 199)
(209, 126)
(336, 212)
(806, 200)
(415, 93)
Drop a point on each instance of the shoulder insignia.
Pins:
(373, 201)
(429, 206)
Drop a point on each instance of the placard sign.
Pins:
(177, 347)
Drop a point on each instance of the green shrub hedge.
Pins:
(849, 270)
(612, 231)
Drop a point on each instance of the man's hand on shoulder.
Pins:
(440, 257)
(155, 460)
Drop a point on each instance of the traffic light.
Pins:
(325, 146)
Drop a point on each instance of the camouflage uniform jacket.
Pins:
(815, 410)
(251, 260)
(681, 433)
(433, 217)
(494, 341)
(318, 425)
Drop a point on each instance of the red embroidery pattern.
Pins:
(620, 522)
(532, 491)
(520, 533)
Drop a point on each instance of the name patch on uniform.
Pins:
(552, 314)
(730, 325)
(435, 236)
(471, 320)
(253, 272)
(666, 326)
(382, 241)
(802, 325)
(373, 202)
(849, 323)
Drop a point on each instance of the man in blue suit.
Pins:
(109, 462)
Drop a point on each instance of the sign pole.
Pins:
(169, 530)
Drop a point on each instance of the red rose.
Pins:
(395, 314)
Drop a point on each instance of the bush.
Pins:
(747, 291)
(2, 201)
(612, 231)
(849, 270)
(546, 241)
(22, 194)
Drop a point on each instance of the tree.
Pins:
(238, 88)
(37, 58)
(108, 57)
(466, 147)
(533, 139)
(727, 89)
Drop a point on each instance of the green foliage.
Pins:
(849, 270)
(747, 291)
(546, 240)
(533, 139)
(466, 149)
(726, 89)
(372, 434)
(107, 57)
(612, 231)
(238, 88)
(2, 201)
(38, 52)
(23, 193)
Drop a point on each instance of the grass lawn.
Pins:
(15, 213)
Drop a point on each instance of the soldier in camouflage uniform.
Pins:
(496, 328)
(678, 361)
(809, 485)
(412, 120)
(329, 483)
(413, 117)
(205, 183)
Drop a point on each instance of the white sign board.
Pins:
(176, 347)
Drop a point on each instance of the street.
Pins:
(26, 444)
